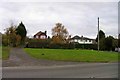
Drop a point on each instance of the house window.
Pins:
(37, 37)
(42, 37)
(89, 40)
(86, 40)
(75, 40)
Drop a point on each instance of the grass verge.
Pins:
(73, 55)
(5, 53)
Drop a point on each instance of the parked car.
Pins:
(117, 49)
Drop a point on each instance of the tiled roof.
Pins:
(78, 37)
(40, 33)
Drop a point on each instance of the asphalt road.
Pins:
(83, 70)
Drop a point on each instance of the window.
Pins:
(42, 36)
(37, 36)
(89, 40)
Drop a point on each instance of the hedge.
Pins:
(47, 44)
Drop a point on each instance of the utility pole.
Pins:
(98, 33)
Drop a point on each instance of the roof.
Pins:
(78, 37)
(40, 33)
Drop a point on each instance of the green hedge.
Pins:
(35, 43)
(61, 46)
(86, 46)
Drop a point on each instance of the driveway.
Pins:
(19, 58)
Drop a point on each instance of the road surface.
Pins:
(83, 70)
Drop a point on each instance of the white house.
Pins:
(82, 40)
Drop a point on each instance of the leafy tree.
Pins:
(102, 44)
(109, 42)
(101, 35)
(59, 33)
(21, 30)
(10, 37)
(115, 44)
(5, 40)
(101, 40)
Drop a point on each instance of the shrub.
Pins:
(38, 43)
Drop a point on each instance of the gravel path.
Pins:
(19, 58)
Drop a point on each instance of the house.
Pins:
(82, 40)
(41, 35)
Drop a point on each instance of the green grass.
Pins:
(5, 53)
(73, 55)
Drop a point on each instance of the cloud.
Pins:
(80, 18)
(59, 0)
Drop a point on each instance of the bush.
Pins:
(61, 46)
(37, 43)
(85, 46)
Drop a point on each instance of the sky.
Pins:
(80, 18)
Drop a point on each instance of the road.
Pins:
(83, 70)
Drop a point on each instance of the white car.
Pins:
(117, 49)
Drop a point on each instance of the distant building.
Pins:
(41, 35)
(82, 40)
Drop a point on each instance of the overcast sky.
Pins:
(80, 18)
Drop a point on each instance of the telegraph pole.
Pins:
(98, 33)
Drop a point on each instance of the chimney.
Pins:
(45, 32)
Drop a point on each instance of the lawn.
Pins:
(73, 55)
(5, 53)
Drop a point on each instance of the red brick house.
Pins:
(41, 35)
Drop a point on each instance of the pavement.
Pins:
(83, 70)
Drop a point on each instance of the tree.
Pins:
(101, 40)
(10, 37)
(109, 42)
(21, 30)
(115, 44)
(102, 44)
(101, 35)
(59, 33)
(4, 40)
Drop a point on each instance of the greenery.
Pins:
(59, 34)
(21, 30)
(14, 36)
(38, 43)
(106, 43)
(5, 53)
(10, 37)
(101, 35)
(73, 55)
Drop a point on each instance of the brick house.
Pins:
(41, 35)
